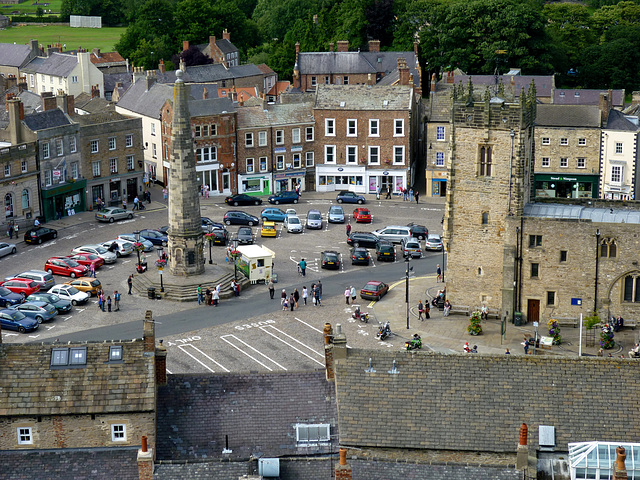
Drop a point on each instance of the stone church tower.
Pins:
(490, 175)
(186, 248)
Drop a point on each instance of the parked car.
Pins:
(111, 214)
(39, 311)
(8, 298)
(330, 259)
(293, 224)
(66, 267)
(434, 242)
(336, 214)
(88, 285)
(42, 278)
(122, 248)
(350, 197)
(21, 286)
(131, 238)
(242, 199)
(268, 230)
(39, 235)
(99, 250)
(374, 290)
(394, 234)
(62, 306)
(362, 215)
(245, 235)
(87, 259)
(154, 236)
(218, 236)
(7, 248)
(284, 197)
(362, 239)
(412, 249)
(385, 251)
(237, 217)
(314, 219)
(14, 320)
(69, 293)
(360, 256)
(419, 231)
(207, 225)
(273, 215)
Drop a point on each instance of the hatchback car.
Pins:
(434, 242)
(245, 235)
(330, 259)
(336, 214)
(394, 234)
(350, 197)
(42, 278)
(242, 199)
(411, 249)
(69, 293)
(39, 311)
(21, 286)
(314, 219)
(218, 236)
(386, 251)
(7, 249)
(273, 215)
(111, 214)
(268, 230)
(236, 217)
(88, 285)
(14, 320)
(66, 267)
(87, 259)
(122, 248)
(374, 290)
(154, 236)
(360, 256)
(206, 223)
(362, 215)
(40, 234)
(131, 238)
(8, 298)
(418, 231)
(362, 239)
(293, 224)
(99, 250)
(284, 197)
(62, 306)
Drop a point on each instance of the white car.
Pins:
(70, 293)
(148, 246)
(7, 248)
(293, 224)
(98, 250)
(123, 247)
(291, 211)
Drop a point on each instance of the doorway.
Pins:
(386, 183)
(132, 189)
(533, 310)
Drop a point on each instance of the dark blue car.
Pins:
(14, 320)
(284, 197)
(154, 236)
(8, 298)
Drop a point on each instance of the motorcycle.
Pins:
(384, 331)
(362, 316)
(414, 344)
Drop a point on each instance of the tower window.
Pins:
(485, 218)
(608, 248)
(485, 161)
(563, 255)
(535, 268)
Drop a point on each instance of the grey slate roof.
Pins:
(13, 55)
(101, 116)
(226, 46)
(211, 73)
(577, 212)
(568, 96)
(210, 106)
(110, 80)
(478, 402)
(58, 64)
(619, 121)
(359, 97)
(568, 116)
(276, 114)
(31, 101)
(48, 119)
(544, 83)
(257, 411)
(146, 102)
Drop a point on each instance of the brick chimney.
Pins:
(16, 115)
(65, 103)
(297, 49)
(433, 82)
(149, 332)
(145, 461)
(10, 82)
(226, 35)
(522, 454)
(151, 78)
(415, 49)
(619, 468)
(48, 101)
(95, 91)
(374, 45)
(604, 104)
(403, 72)
(162, 67)
(343, 470)
(331, 47)
(161, 365)
(185, 45)
(343, 45)
(450, 77)
(328, 351)
(635, 98)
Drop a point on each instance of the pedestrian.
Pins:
(348, 229)
(148, 196)
(130, 283)
(388, 193)
(292, 301)
(207, 296)
(411, 194)
(165, 194)
(417, 195)
(15, 230)
(124, 203)
(507, 352)
(285, 303)
(102, 300)
(136, 203)
(216, 297)
(303, 267)
(353, 295)
(296, 296)
(199, 292)
(305, 294)
(99, 301)
(525, 344)
(206, 191)
(202, 190)
(316, 296)
(109, 303)
(347, 295)
(447, 308)
(438, 273)
(92, 270)
(378, 192)
(420, 310)
(233, 287)
(272, 289)
(427, 310)
(283, 296)
(116, 300)
(319, 287)
(36, 223)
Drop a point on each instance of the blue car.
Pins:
(8, 298)
(350, 197)
(272, 215)
(154, 236)
(284, 197)
(40, 311)
(14, 320)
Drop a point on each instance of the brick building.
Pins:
(220, 50)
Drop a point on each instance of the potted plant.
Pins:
(474, 327)
(554, 331)
(591, 321)
(606, 337)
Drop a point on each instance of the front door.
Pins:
(533, 310)
(226, 183)
(386, 183)
(132, 189)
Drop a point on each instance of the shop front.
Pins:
(289, 180)
(207, 175)
(64, 200)
(255, 184)
(566, 186)
(330, 178)
(387, 180)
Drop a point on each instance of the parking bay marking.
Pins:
(309, 325)
(270, 327)
(183, 348)
(250, 356)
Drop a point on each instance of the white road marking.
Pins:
(10, 334)
(34, 336)
(251, 357)
(183, 348)
(49, 327)
(264, 329)
(309, 325)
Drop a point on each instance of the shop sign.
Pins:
(385, 172)
(341, 169)
(57, 173)
(296, 148)
(565, 179)
(280, 150)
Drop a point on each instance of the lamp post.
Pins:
(595, 292)
(210, 239)
(407, 288)
(160, 251)
(136, 234)
(234, 244)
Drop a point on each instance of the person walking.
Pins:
(296, 296)
(99, 301)
(92, 270)
(438, 273)
(136, 203)
(525, 344)
(319, 287)
(130, 283)
(305, 294)
(109, 303)
(303, 267)
(10, 231)
(353, 295)
(348, 229)
(378, 192)
(427, 310)
(283, 296)
(417, 196)
(272, 289)
(116, 300)
(199, 292)
(347, 295)
(15, 230)
(316, 295)
(216, 297)
(420, 310)
(207, 296)
(292, 301)
(102, 301)
(165, 193)
(388, 193)
(124, 203)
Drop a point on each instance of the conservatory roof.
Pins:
(595, 460)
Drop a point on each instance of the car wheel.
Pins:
(13, 250)
(227, 222)
(339, 200)
(118, 254)
(235, 204)
(73, 275)
(74, 302)
(21, 329)
(164, 244)
(256, 202)
(111, 220)
(49, 271)
(359, 202)
(39, 241)
(24, 295)
(277, 202)
(295, 201)
(251, 224)
(39, 319)
(356, 244)
(55, 235)
(264, 219)
(130, 216)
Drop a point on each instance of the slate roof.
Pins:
(12, 55)
(101, 116)
(211, 73)
(359, 97)
(621, 122)
(48, 119)
(146, 102)
(225, 46)
(110, 80)
(210, 106)
(577, 212)
(275, 114)
(544, 83)
(257, 411)
(587, 116)
(57, 64)
(478, 402)
(28, 385)
(91, 105)
(568, 96)
(31, 101)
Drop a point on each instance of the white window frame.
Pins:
(263, 164)
(72, 144)
(295, 135)
(95, 146)
(439, 159)
(564, 162)
(197, 131)
(374, 152)
(95, 168)
(440, 134)
(280, 162)
(545, 162)
(75, 170)
(24, 166)
(59, 147)
(314, 81)
(74, 79)
(618, 148)
(321, 433)
(24, 435)
(248, 139)
(154, 150)
(398, 127)
(351, 155)
(213, 130)
(309, 159)
(262, 139)
(112, 143)
(113, 165)
(617, 171)
(564, 141)
(329, 127)
(47, 178)
(581, 163)
(308, 134)
(398, 149)
(330, 154)
(26, 199)
(153, 129)
(279, 137)
(250, 165)
(118, 432)
(7, 169)
(297, 160)
(352, 127)
(128, 141)
(131, 165)
(546, 141)
(374, 127)
(45, 150)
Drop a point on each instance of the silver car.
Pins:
(336, 214)
(123, 247)
(434, 242)
(98, 250)
(293, 224)
(314, 219)
(394, 234)
(7, 248)
(129, 237)
(42, 278)
(111, 214)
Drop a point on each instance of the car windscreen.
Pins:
(72, 291)
(16, 315)
(101, 250)
(315, 216)
(5, 291)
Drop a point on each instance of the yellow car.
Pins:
(268, 230)
(89, 285)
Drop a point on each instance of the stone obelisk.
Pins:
(186, 249)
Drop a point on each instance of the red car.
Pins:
(374, 290)
(65, 266)
(22, 286)
(86, 258)
(362, 215)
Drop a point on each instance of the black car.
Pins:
(360, 256)
(154, 236)
(245, 235)
(40, 234)
(330, 259)
(418, 231)
(362, 239)
(236, 217)
(386, 251)
(284, 197)
(242, 199)
(62, 306)
(218, 236)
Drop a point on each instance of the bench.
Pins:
(459, 310)
(629, 323)
(491, 312)
(567, 321)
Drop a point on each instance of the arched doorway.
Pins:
(623, 295)
(8, 205)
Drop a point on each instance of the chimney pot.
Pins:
(185, 45)
(331, 47)
(374, 46)
(523, 434)
(143, 447)
(226, 35)
(343, 456)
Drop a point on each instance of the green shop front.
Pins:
(64, 200)
(256, 184)
(566, 186)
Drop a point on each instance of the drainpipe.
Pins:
(595, 289)
(512, 133)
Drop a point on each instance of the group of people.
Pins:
(210, 296)
(350, 292)
(468, 349)
(106, 302)
(423, 309)
(204, 191)
(407, 194)
(291, 301)
(12, 229)
(617, 323)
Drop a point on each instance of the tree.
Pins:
(191, 56)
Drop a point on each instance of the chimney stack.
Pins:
(205, 93)
(450, 77)
(328, 351)
(162, 67)
(343, 45)
(149, 332)
(151, 78)
(96, 52)
(185, 45)
(62, 102)
(10, 82)
(22, 84)
(145, 461)
(48, 101)
(226, 35)
(161, 365)
(403, 72)
(212, 45)
(297, 49)
(16, 115)
(331, 47)
(95, 91)
(635, 98)
(604, 105)
(619, 468)
(343, 470)
(522, 454)
(374, 46)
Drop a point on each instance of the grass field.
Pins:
(102, 38)
(29, 7)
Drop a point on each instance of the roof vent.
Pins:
(547, 438)
(269, 467)
(385, 103)
(342, 104)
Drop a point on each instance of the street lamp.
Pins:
(136, 234)
(234, 245)
(160, 252)
(443, 250)
(409, 269)
(210, 239)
